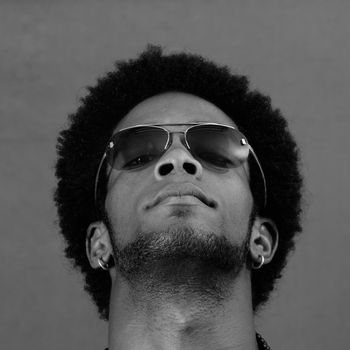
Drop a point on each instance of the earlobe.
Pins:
(98, 245)
(263, 242)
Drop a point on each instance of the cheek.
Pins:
(121, 204)
(237, 203)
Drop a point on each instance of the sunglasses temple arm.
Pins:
(98, 176)
(262, 174)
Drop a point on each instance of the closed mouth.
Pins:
(180, 191)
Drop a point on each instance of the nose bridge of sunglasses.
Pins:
(176, 139)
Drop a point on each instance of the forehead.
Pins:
(174, 107)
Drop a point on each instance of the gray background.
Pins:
(295, 51)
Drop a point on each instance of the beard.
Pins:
(181, 261)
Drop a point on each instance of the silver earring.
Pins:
(262, 260)
(103, 264)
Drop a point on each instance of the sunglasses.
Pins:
(215, 146)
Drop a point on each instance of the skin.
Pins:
(186, 320)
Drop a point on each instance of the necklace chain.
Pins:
(262, 343)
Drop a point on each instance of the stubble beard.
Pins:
(181, 262)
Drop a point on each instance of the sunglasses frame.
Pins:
(168, 143)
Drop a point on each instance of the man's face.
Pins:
(130, 197)
(129, 192)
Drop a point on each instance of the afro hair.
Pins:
(81, 146)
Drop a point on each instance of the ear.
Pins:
(98, 244)
(263, 240)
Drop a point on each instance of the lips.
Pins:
(179, 190)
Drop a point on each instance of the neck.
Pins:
(179, 320)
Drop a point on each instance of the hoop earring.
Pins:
(103, 264)
(262, 260)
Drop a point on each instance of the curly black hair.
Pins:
(81, 146)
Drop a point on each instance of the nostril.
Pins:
(190, 168)
(165, 169)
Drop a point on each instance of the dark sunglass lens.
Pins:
(219, 146)
(137, 147)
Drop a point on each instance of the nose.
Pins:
(178, 161)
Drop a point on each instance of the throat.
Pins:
(186, 317)
(184, 327)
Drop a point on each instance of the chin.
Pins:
(181, 258)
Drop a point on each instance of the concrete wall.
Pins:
(295, 51)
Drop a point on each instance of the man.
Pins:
(179, 198)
